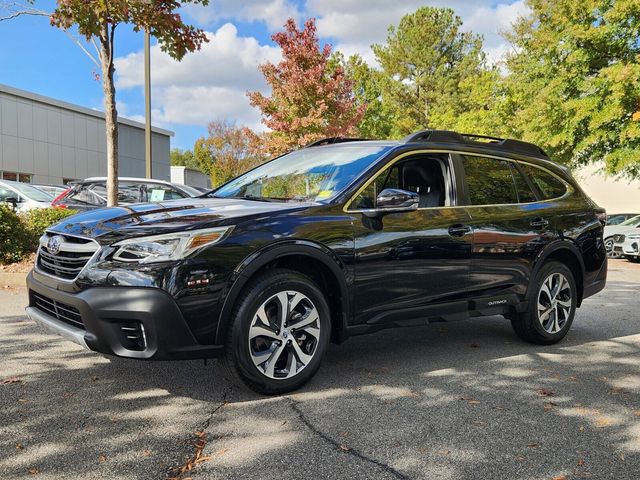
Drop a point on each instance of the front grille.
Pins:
(71, 256)
(58, 310)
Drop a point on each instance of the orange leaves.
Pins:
(545, 392)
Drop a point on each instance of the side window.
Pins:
(489, 181)
(525, 194)
(549, 185)
(423, 174)
(390, 178)
(132, 192)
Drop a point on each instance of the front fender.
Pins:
(243, 273)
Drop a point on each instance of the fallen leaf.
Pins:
(344, 448)
(618, 391)
(621, 456)
(423, 450)
(146, 453)
(581, 428)
(11, 380)
(533, 445)
(19, 446)
(470, 400)
(602, 422)
(94, 378)
(344, 434)
(444, 452)
(34, 471)
(637, 413)
(560, 477)
(103, 457)
(544, 392)
(478, 423)
(222, 451)
(24, 400)
(580, 462)
(549, 406)
(498, 407)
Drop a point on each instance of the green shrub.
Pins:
(13, 236)
(36, 221)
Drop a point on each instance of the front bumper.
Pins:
(103, 319)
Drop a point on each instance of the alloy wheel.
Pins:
(284, 335)
(554, 303)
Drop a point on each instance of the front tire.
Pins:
(633, 258)
(278, 334)
(609, 243)
(552, 306)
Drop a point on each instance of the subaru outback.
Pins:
(340, 238)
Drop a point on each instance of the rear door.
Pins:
(510, 224)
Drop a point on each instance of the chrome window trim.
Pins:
(569, 188)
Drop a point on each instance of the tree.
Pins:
(574, 82)
(97, 21)
(310, 98)
(427, 67)
(183, 158)
(228, 151)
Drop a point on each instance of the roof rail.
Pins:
(496, 143)
(332, 140)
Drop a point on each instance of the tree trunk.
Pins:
(110, 114)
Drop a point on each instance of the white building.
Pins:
(43, 140)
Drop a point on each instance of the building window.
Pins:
(16, 177)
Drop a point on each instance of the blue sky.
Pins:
(212, 83)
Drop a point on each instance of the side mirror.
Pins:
(393, 200)
(13, 201)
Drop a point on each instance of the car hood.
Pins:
(107, 225)
(617, 229)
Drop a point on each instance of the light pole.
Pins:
(147, 103)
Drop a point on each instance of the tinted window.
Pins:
(489, 181)
(549, 185)
(390, 178)
(525, 194)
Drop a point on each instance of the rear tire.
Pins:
(279, 332)
(552, 306)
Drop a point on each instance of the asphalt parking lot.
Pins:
(464, 400)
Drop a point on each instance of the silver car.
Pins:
(23, 196)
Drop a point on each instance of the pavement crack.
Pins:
(337, 446)
(198, 443)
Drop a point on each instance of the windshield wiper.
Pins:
(251, 197)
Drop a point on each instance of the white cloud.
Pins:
(206, 85)
(356, 24)
(274, 13)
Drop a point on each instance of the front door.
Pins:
(406, 262)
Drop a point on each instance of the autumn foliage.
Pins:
(310, 97)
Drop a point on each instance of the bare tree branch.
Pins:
(78, 42)
(19, 13)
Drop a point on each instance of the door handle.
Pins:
(539, 222)
(459, 230)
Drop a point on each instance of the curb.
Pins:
(13, 279)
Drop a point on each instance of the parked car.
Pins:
(337, 239)
(630, 245)
(614, 235)
(23, 196)
(53, 190)
(618, 218)
(92, 192)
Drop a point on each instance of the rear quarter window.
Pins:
(549, 185)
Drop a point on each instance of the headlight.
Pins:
(167, 247)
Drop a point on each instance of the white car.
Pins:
(631, 246)
(613, 235)
(23, 196)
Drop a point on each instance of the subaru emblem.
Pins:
(54, 243)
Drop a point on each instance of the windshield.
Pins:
(632, 222)
(310, 174)
(32, 193)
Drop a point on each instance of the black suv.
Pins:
(340, 238)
